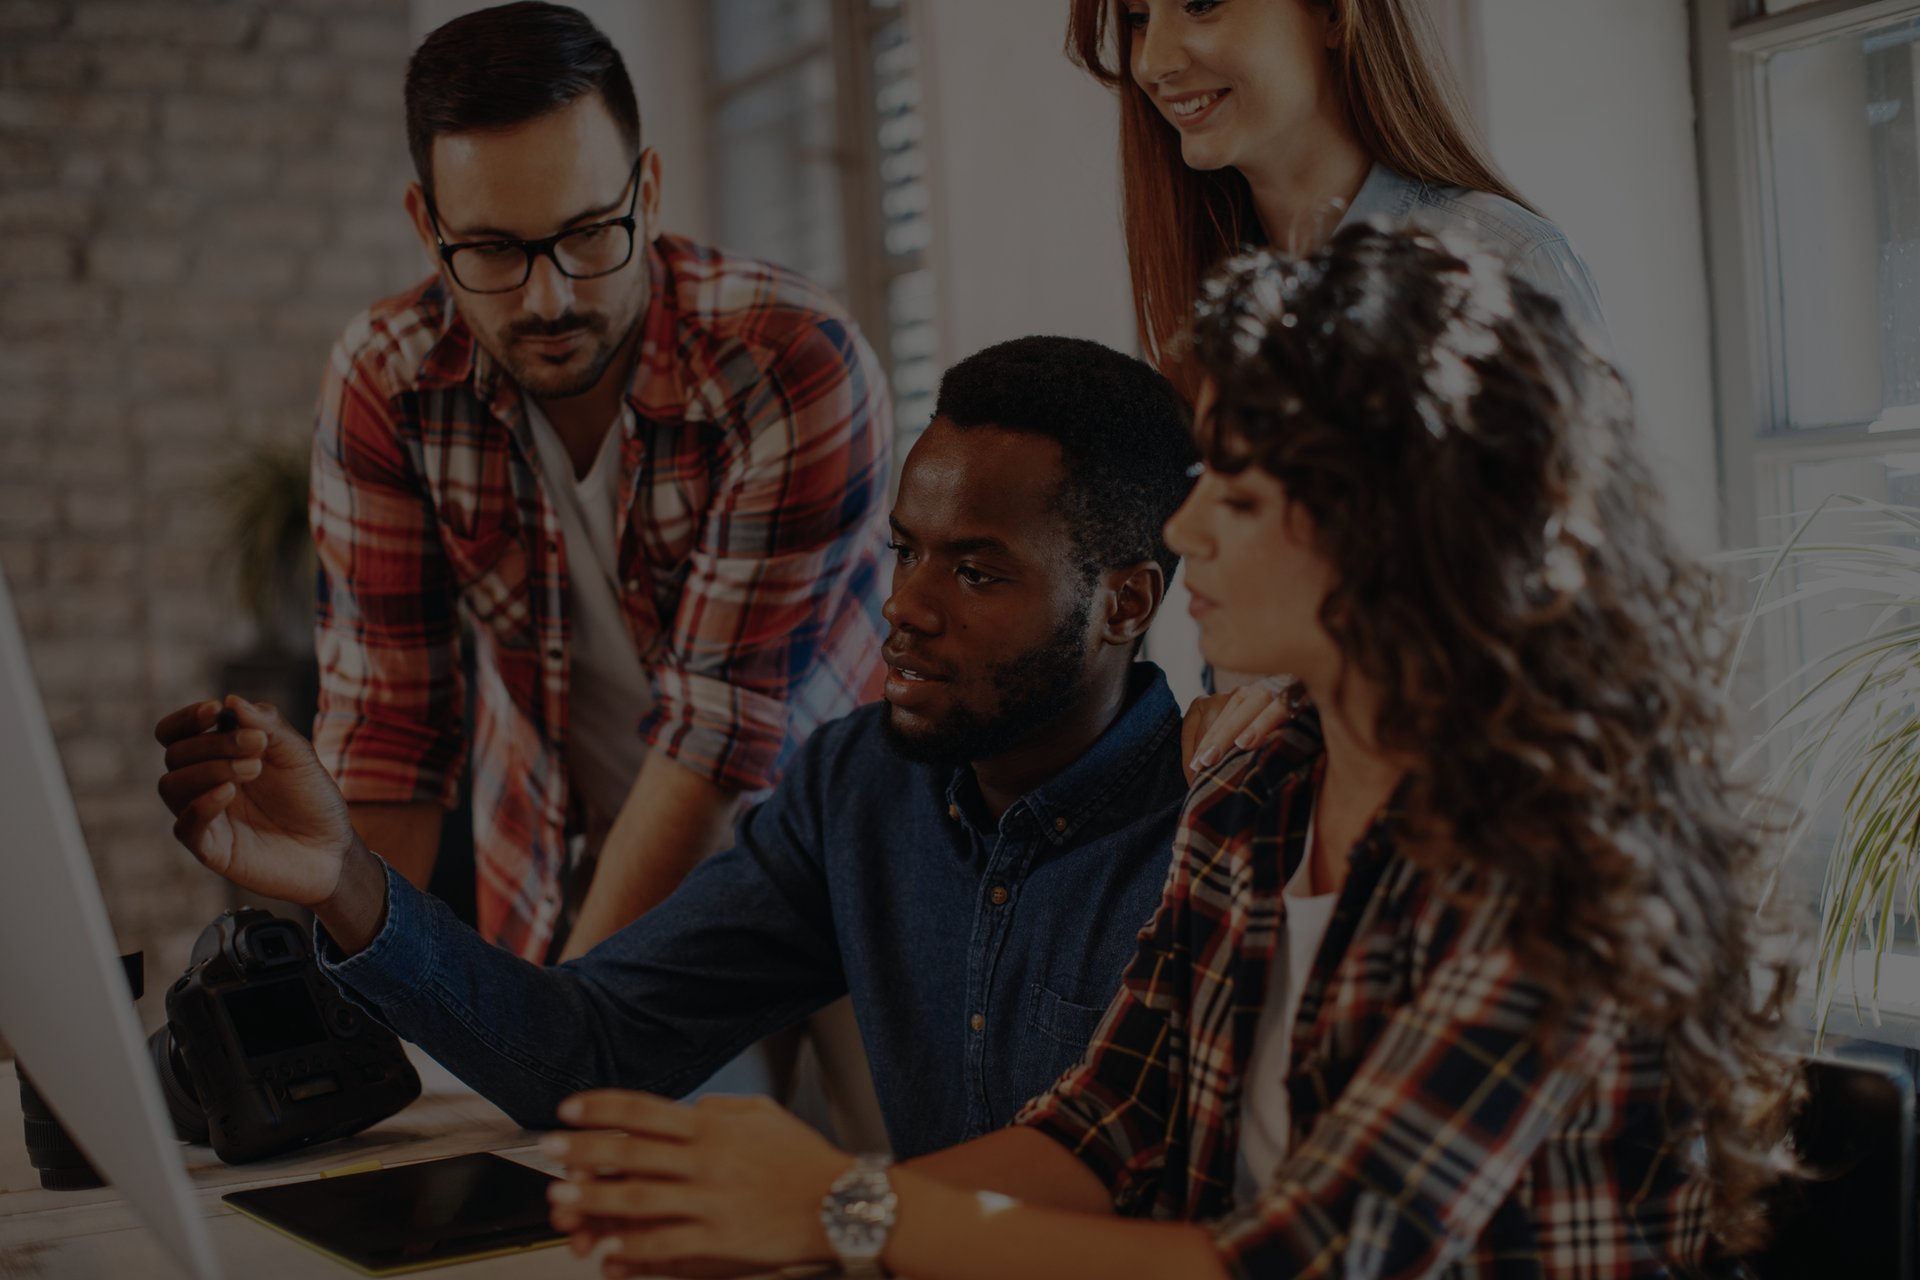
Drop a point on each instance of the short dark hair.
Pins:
(495, 68)
(1123, 432)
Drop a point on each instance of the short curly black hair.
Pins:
(1125, 438)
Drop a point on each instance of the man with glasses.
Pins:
(649, 478)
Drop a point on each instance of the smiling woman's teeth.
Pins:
(1193, 106)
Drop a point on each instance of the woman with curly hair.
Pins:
(1459, 975)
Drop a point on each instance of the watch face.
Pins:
(858, 1217)
(861, 1237)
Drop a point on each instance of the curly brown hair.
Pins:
(1542, 648)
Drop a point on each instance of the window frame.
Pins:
(1758, 448)
(870, 270)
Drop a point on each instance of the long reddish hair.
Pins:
(1180, 222)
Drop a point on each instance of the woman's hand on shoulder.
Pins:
(1222, 723)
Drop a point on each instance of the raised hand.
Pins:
(252, 802)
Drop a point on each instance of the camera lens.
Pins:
(189, 1117)
(62, 1165)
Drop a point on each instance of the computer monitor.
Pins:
(64, 1002)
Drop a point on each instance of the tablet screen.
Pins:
(413, 1215)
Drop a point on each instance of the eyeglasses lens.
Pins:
(583, 254)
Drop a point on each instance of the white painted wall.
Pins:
(1590, 111)
(1027, 235)
(1027, 179)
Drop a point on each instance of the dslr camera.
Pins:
(260, 1053)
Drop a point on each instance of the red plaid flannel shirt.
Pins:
(1429, 1135)
(751, 538)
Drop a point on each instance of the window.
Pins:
(1842, 144)
(821, 166)
(1811, 131)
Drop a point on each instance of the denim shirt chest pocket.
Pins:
(1063, 1020)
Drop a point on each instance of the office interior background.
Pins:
(195, 196)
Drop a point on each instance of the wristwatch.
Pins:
(858, 1215)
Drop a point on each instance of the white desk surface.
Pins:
(87, 1235)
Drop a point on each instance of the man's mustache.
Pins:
(560, 326)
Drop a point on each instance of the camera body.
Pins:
(261, 1054)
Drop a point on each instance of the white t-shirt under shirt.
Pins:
(1264, 1118)
(608, 692)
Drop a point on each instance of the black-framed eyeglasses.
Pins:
(501, 266)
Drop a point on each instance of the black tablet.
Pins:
(412, 1216)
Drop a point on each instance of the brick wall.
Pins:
(194, 196)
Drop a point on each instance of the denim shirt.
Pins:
(1536, 250)
(979, 955)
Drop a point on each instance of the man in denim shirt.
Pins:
(970, 859)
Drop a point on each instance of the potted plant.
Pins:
(1844, 745)
(263, 498)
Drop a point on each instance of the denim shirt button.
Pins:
(953, 811)
(1059, 824)
(999, 895)
(978, 1022)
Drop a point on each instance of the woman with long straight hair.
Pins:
(1270, 122)
(1274, 122)
(1462, 973)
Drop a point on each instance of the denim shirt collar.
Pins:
(1386, 196)
(1062, 804)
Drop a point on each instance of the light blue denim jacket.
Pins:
(1536, 250)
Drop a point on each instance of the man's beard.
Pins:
(539, 378)
(1035, 690)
